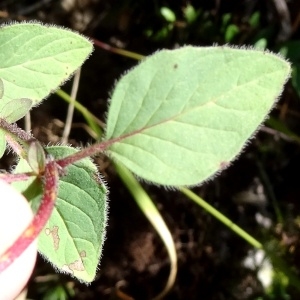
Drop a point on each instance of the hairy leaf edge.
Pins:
(247, 142)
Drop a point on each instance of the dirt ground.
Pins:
(134, 263)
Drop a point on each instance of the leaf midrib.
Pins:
(201, 106)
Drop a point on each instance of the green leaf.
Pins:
(72, 239)
(36, 59)
(181, 116)
(74, 235)
(36, 157)
(190, 13)
(168, 14)
(14, 110)
(254, 19)
(231, 32)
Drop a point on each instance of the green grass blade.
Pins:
(279, 264)
(151, 212)
(119, 51)
(281, 127)
(219, 216)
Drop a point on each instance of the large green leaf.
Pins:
(36, 59)
(73, 237)
(182, 115)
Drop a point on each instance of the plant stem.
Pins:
(16, 137)
(9, 178)
(87, 152)
(149, 209)
(277, 261)
(238, 230)
(118, 50)
(90, 118)
(70, 113)
(92, 150)
(15, 130)
(270, 191)
(40, 219)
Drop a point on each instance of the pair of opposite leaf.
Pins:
(175, 120)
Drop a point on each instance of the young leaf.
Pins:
(36, 59)
(73, 237)
(182, 115)
(36, 157)
(14, 110)
(11, 111)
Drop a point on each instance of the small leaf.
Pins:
(36, 59)
(168, 14)
(190, 13)
(11, 111)
(231, 32)
(14, 110)
(182, 115)
(36, 157)
(73, 238)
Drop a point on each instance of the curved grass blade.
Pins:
(182, 115)
(151, 212)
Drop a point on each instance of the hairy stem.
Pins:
(17, 138)
(9, 178)
(15, 130)
(92, 150)
(51, 178)
(86, 152)
(119, 51)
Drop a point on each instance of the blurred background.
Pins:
(260, 192)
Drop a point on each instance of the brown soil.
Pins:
(135, 263)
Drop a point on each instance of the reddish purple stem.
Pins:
(51, 178)
(9, 178)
